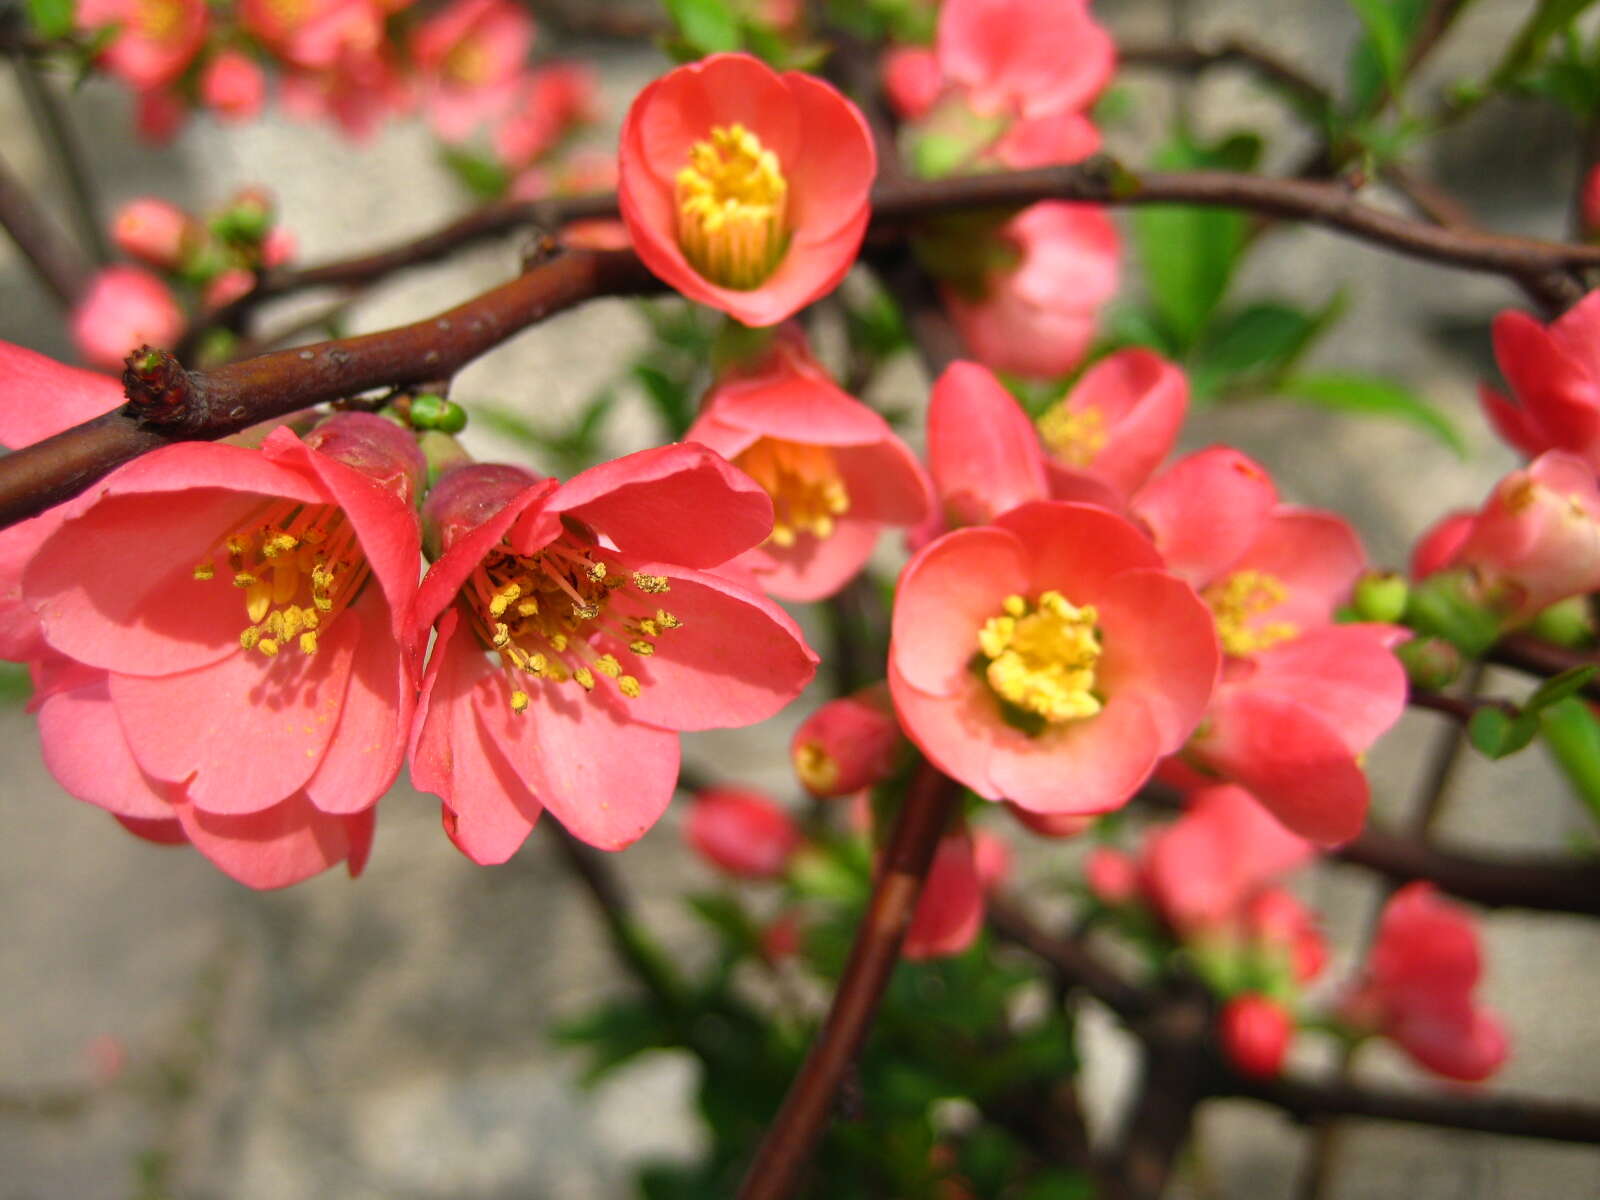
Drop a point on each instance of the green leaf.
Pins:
(1497, 733)
(1189, 253)
(1349, 392)
(1548, 18)
(478, 173)
(52, 18)
(613, 1034)
(15, 684)
(709, 26)
(1382, 21)
(669, 397)
(1263, 339)
(1059, 1184)
(1572, 733)
(1558, 687)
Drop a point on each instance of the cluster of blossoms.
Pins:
(209, 261)
(353, 62)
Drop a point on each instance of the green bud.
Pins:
(1430, 662)
(1568, 623)
(1450, 605)
(442, 452)
(1381, 596)
(432, 411)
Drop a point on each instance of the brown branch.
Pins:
(54, 259)
(1193, 58)
(1068, 958)
(180, 405)
(1457, 708)
(795, 1131)
(1513, 1116)
(1546, 883)
(1535, 656)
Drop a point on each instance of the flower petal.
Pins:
(40, 397)
(273, 848)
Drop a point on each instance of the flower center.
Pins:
(299, 566)
(544, 612)
(1041, 658)
(804, 483)
(1237, 600)
(815, 767)
(1073, 437)
(158, 20)
(468, 64)
(732, 206)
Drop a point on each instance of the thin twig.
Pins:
(795, 1131)
(1068, 958)
(1193, 58)
(53, 257)
(66, 150)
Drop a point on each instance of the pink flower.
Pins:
(911, 80)
(742, 832)
(1111, 875)
(228, 287)
(836, 472)
(1036, 317)
(1437, 548)
(848, 744)
(278, 247)
(579, 628)
(1537, 539)
(983, 452)
(1554, 372)
(1202, 870)
(553, 100)
(992, 857)
(233, 86)
(1118, 422)
(124, 308)
(356, 97)
(1255, 1033)
(470, 57)
(159, 114)
(263, 736)
(155, 39)
(1024, 57)
(154, 231)
(744, 189)
(1275, 919)
(1419, 987)
(1046, 659)
(1056, 826)
(949, 912)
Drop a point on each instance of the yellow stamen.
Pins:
(815, 767)
(1238, 600)
(803, 480)
(1074, 437)
(519, 701)
(732, 208)
(1041, 658)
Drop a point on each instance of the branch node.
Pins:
(161, 394)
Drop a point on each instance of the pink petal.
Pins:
(1076, 549)
(1346, 674)
(949, 912)
(1159, 643)
(736, 659)
(813, 568)
(274, 848)
(886, 482)
(946, 594)
(1315, 555)
(831, 175)
(1205, 510)
(983, 453)
(1514, 423)
(86, 752)
(1290, 759)
(1142, 399)
(1093, 765)
(682, 504)
(245, 732)
(40, 397)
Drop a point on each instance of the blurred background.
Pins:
(170, 1033)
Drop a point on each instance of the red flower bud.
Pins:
(1255, 1035)
(742, 832)
(847, 744)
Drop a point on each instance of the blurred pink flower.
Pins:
(154, 231)
(741, 832)
(1255, 1032)
(154, 40)
(124, 308)
(470, 57)
(1554, 373)
(848, 744)
(1024, 57)
(233, 86)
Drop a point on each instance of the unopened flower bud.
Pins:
(1568, 623)
(227, 287)
(153, 231)
(1112, 876)
(464, 497)
(1430, 662)
(847, 744)
(1380, 596)
(1452, 605)
(742, 832)
(233, 86)
(432, 411)
(1255, 1032)
(247, 218)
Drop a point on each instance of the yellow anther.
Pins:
(629, 687)
(527, 608)
(1237, 602)
(640, 646)
(205, 570)
(308, 643)
(292, 622)
(597, 571)
(257, 600)
(666, 620)
(1074, 437)
(276, 544)
(558, 642)
(249, 636)
(538, 664)
(243, 579)
(503, 599)
(807, 491)
(732, 201)
(1041, 657)
(815, 767)
(519, 702)
(268, 646)
(608, 665)
(585, 678)
(652, 585)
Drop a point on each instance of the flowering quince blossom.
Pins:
(1300, 699)
(1034, 313)
(154, 40)
(1419, 985)
(1437, 548)
(742, 832)
(1047, 659)
(124, 308)
(848, 744)
(233, 86)
(1255, 1032)
(1024, 57)
(744, 189)
(949, 911)
(579, 628)
(1537, 539)
(470, 56)
(1554, 373)
(1116, 424)
(154, 231)
(221, 643)
(835, 471)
